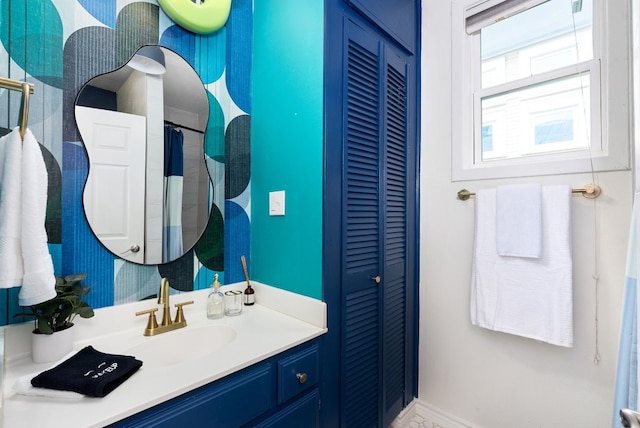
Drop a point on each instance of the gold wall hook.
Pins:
(24, 109)
(26, 89)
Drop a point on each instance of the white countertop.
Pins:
(278, 321)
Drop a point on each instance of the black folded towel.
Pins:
(89, 372)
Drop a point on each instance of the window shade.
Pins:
(488, 12)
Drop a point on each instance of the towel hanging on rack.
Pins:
(24, 252)
(524, 296)
(519, 220)
(11, 270)
(38, 282)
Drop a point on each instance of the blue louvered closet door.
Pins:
(374, 230)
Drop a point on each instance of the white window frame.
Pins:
(611, 100)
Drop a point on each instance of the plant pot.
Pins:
(46, 348)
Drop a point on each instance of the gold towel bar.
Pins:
(26, 89)
(590, 191)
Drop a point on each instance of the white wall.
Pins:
(490, 379)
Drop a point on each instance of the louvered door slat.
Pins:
(360, 362)
(361, 224)
(394, 326)
(374, 221)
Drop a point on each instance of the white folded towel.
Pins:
(11, 270)
(38, 283)
(23, 386)
(519, 220)
(525, 296)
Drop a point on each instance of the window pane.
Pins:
(487, 138)
(553, 127)
(538, 119)
(537, 40)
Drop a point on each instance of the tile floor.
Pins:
(420, 422)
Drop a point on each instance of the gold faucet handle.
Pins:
(180, 312)
(152, 323)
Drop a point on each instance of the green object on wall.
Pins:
(204, 18)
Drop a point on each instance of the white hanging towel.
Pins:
(11, 270)
(38, 283)
(519, 220)
(525, 296)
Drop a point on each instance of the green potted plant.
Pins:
(52, 336)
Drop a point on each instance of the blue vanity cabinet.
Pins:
(301, 413)
(281, 391)
(297, 373)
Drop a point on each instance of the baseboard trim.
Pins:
(439, 417)
(405, 416)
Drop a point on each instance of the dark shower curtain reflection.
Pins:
(172, 247)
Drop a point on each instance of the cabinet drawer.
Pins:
(229, 402)
(301, 413)
(297, 373)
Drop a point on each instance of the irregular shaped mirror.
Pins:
(147, 196)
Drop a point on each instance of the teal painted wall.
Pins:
(287, 144)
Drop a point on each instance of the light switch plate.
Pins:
(276, 203)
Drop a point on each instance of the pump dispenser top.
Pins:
(215, 300)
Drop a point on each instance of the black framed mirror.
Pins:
(148, 193)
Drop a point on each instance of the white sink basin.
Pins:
(182, 346)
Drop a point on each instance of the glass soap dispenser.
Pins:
(215, 301)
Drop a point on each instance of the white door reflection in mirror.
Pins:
(115, 144)
(175, 99)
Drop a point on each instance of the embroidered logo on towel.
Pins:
(102, 372)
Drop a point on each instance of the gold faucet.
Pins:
(167, 324)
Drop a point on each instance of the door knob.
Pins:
(302, 377)
(377, 279)
(134, 248)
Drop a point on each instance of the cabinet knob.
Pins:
(376, 279)
(302, 377)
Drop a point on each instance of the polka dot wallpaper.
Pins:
(58, 45)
